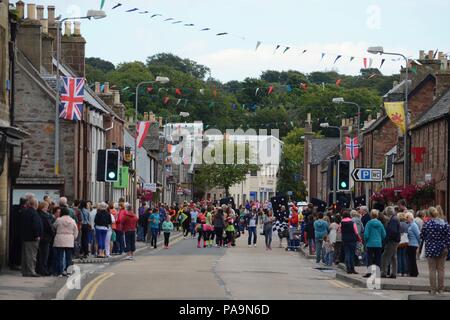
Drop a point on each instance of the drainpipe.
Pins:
(112, 124)
(448, 166)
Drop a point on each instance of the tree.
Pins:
(100, 64)
(184, 65)
(225, 175)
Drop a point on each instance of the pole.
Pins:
(405, 138)
(366, 185)
(164, 165)
(58, 58)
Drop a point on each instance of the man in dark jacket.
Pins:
(31, 230)
(48, 232)
(390, 248)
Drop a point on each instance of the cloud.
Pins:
(237, 63)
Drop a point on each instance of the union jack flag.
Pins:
(351, 148)
(72, 99)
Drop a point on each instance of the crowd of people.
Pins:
(392, 240)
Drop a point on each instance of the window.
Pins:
(254, 173)
(390, 165)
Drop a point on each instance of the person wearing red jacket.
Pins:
(119, 246)
(128, 225)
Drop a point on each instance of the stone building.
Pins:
(10, 135)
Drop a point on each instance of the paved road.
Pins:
(186, 272)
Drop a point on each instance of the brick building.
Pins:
(431, 133)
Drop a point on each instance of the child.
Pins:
(167, 228)
(329, 251)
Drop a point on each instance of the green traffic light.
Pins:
(343, 185)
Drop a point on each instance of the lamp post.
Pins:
(162, 80)
(380, 50)
(96, 14)
(327, 125)
(342, 101)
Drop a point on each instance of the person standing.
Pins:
(229, 227)
(200, 228)
(86, 229)
(167, 228)
(374, 235)
(436, 234)
(252, 222)
(120, 237)
(267, 227)
(413, 245)
(389, 255)
(403, 245)
(154, 227)
(219, 225)
(66, 233)
(48, 233)
(350, 237)
(194, 215)
(320, 231)
(129, 225)
(32, 230)
(102, 223)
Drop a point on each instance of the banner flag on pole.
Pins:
(71, 99)
(142, 131)
(351, 148)
(396, 112)
(337, 58)
(257, 45)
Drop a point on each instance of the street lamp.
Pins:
(162, 80)
(342, 101)
(95, 14)
(327, 125)
(380, 50)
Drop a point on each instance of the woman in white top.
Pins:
(333, 231)
(109, 233)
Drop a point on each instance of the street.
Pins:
(186, 272)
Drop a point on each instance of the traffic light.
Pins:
(343, 175)
(101, 161)
(112, 165)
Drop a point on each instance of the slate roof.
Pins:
(439, 109)
(322, 148)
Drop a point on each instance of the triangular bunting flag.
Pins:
(352, 58)
(257, 45)
(287, 48)
(278, 46)
(116, 6)
(337, 58)
(270, 90)
(382, 62)
(365, 63)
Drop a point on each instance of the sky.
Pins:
(345, 28)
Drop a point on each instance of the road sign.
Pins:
(150, 187)
(367, 175)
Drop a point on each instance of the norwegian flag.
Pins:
(142, 131)
(351, 148)
(72, 99)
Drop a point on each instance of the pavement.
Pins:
(13, 286)
(421, 283)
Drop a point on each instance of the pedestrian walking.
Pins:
(436, 234)
(154, 227)
(201, 222)
(229, 227)
(31, 231)
(402, 258)
(389, 255)
(194, 215)
(86, 229)
(167, 228)
(129, 225)
(310, 236)
(374, 235)
(66, 233)
(102, 223)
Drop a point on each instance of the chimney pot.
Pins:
(20, 5)
(421, 54)
(31, 11)
(77, 29)
(97, 87)
(430, 55)
(106, 87)
(51, 15)
(68, 28)
(40, 12)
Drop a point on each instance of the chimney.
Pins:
(73, 51)
(369, 118)
(430, 54)
(51, 15)
(97, 87)
(67, 28)
(40, 12)
(29, 37)
(47, 49)
(442, 83)
(31, 11)
(378, 115)
(20, 6)
(116, 94)
(77, 29)
(308, 124)
(44, 24)
(106, 88)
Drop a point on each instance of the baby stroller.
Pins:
(294, 240)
